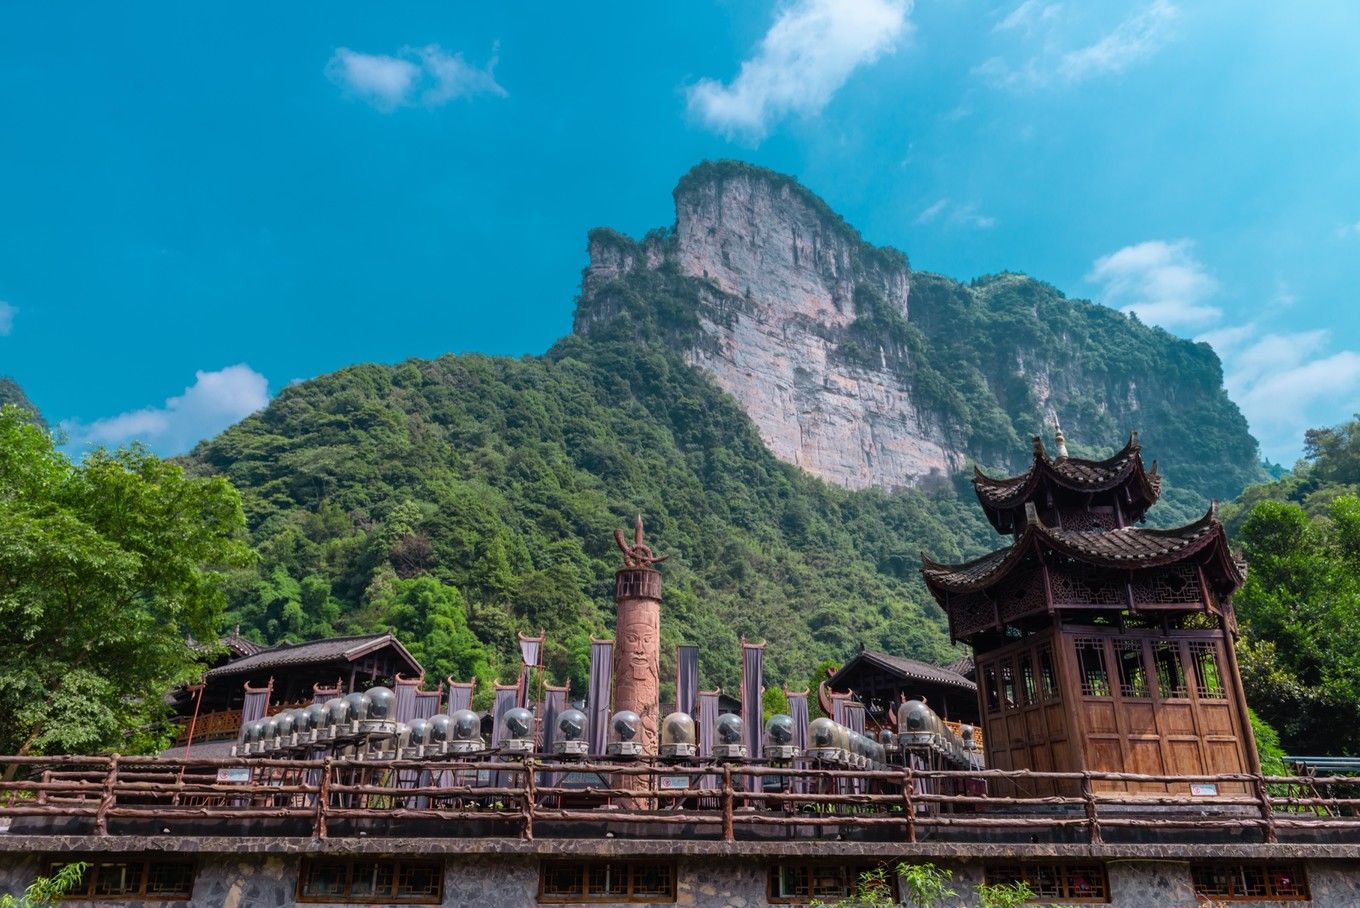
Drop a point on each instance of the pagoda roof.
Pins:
(1127, 548)
(316, 653)
(1124, 467)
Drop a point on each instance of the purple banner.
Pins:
(255, 706)
(854, 716)
(322, 694)
(427, 703)
(506, 700)
(798, 711)
(708, 721)
(405, 709)
(597, 700)
(530, 648)
(554, 704)
(687, 679)
(460, 695)
(752, 696)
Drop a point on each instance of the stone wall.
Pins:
(511, 881)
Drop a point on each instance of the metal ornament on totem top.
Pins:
(637, 653)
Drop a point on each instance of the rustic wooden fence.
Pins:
(514, 797)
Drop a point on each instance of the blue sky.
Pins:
(199, 204)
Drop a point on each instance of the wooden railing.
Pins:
(502, 797)
(216, 726)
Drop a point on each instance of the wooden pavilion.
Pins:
(1100, 645)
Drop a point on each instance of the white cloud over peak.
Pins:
(1162, 282)
(213, 402)
(7, 313)
(1049, 54)
(428, 76)
(956, 214)
(1284, 381)
(1347, 231)
(809, 52)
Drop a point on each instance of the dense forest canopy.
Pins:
(478, 495)
(1300, 608)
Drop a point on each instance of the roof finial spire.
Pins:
(1059, 439)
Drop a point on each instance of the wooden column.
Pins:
(637, 650)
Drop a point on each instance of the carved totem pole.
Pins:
(637, 653)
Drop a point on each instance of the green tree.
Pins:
(1300, 610)
(108, 567)
(430, 618)
(48, 891)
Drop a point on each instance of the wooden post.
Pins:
(908, 804)
(1092, 819)
(729, 833)
(101, 817)
(527, 833)
(323, 797)
(1267, 812)
(46, 778)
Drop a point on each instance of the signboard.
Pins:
(1203, 789)
(234, 775)
(673, 783)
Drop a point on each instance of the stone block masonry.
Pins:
(512, 880)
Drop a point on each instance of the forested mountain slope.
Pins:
(461, 499)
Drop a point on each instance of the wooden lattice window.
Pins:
(1095, 677)
(577, 882)
(1208, 677)
(1133, 676)
(993, 691)
(804, 882)
(1029, 691)
(1068, 881)
(1279, 881)
(160, 880)
(1048, 677)
(365, 881)
(1166, 656)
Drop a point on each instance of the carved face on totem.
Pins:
(640, 645)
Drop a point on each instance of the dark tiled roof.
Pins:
(204, 750)
(1127, 548)
(1074, 473)
(315, 652)
(911, 669)
(964, 666)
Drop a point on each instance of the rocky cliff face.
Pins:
(865, 374)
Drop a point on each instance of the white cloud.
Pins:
(214, 401)
(1346, 231)
(1057, 60)
(1028, 15)
(7, 313)
(803, 60)
(931, 213)
(956, 214)
(1160, 281)
(429, 76)
(1287, 382)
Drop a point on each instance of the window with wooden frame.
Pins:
(1248, 882)
(365, 881)
(1208, 678)
(991, 687)
(1166, 656)
(801, 883)
(150, 878)
(1029, 691)
(1080, 882)
(576, 882)
(1133, 676)
(1095, 677)
(1048, 677)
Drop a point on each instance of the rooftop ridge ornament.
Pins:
(1059, 440)
(638, 556)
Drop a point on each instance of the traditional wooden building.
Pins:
(289, 671)
(883, 681)
(1100, 645)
